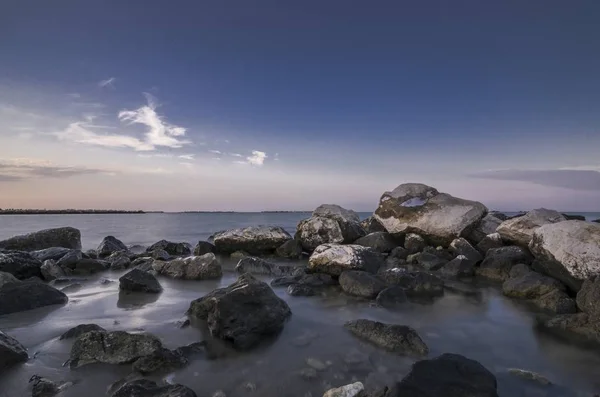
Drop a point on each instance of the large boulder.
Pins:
(243, 313)
(421, 209)
(359, 283)
(379, 241)
(109, 245)
(520, 230)
(542, 291)
(117, 347)
(175, 249)
(329, 223)
(486, 226)
(139, 281)
(66, 237)
(54, 253)
(333, 259)
(395, 338)
(254, 265)
(148, 388)
(22, 296)
(255, 240)
(371, 225)
(570, 251)
(11, 351)
(20, 264)
(205, 267)
(499, 261)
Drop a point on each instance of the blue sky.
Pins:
(287, 105)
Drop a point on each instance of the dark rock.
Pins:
(460, 246)
(66, 237)
(70, 259)
(254, 265)
(284, 281)
(588, 297)
(136, 249)
(371, 225)
(7, 278)
(159, 254)
(414, 243)
(489, 242)
(22, 296)
(578, 326)
(379, 241)
(139, 281)
(359, 283)
(440, 252)
(499, 261)
(54, 253)
(205, 267)
(43, 387)
(333, 259)
(291, 249)
(596, 220)
(574, 217)
(398, 253)
(51, 271)
(460, 266)
(90, 266)
(11, 351)
(529, 375)
(110, 245)
(429, 261)
(520, 230)
(394, 338)
(488, 225)
(204, 247)
(119, 260)
(392, 298)
(543, 291)
(414, 283)
(256, 240)
(519, 270)
(301, 290)
(159, 360)
(176, 249)
(143, 263)
(147, 388)
(75, 332)
(556, 301)
(20, 264)
(243, 313)
(90, 254)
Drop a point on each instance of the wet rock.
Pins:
(172, 248)
(353, 390)
(254, 265)
(143, 264)
(333, 259)
(488, 225)
(256, 240)
(159, 360)
(205, 267)
(139, 281)
(66, 237)
(392, 298)
(570, 251)
(237, 255)
(51, 271)
(398, 253)
(556, 302)
(90, 266)
(11, 351)
(148, 388)
(379, 241)
(519, 270)
(136, 249)
(414, 243)
(428, 261)
(219, 393)
(43, 387)
(528, 375)
(7, 278)
(159, 254)
(301, 290)
(22, 296)
(499, 261)
(204, 247)
(578, 326)
(284, 281)
(70, 259)
(414, 283)
(596, 221)
(359, 283)
(119, 260)
(371, 225)
(394, 338)
(543, 291)
(421, 209)
(117, 347)
(243, 313)
(458, 267)
(75, 332)
(460, 246)
(110, 245)
(489, 242)
(291, 249)
(520, 230)
(54, 253)
(588, 297)
(20, 264)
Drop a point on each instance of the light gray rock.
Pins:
(520, 230)
(329, 224)
(460, 246)
(22, 296)
(360, 283)
(20, 264)
(333, 259)
(139, 281)
(352, 390)
(486, 226)
(11, 351)
(205, 267)
(54, 253)
(395, 338)
(379, 241)
(66, 237)
(421, 209)
(254, 265)
(414, 243)
(490, 241)
(110, 245)
(255, 240)
(51, 271)
(498, 262)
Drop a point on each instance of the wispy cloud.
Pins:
(83, 132)
(215, 151)
(257, 158)
(187, 156)
(575, 179)
(74, 95)
(19, 169)
(109, 82)
(236, 154)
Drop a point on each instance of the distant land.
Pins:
(13, 211)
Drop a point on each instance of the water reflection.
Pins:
(135, 300)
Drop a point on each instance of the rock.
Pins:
(499, 261)
(414, 243)
(43, 387)
(360, 283)
(578, 326)
(254, 265)
(542, 291)
(379, 241)
(291, 249)
(70, 259)
(398, 253)
(520, 230)
(371, 225)
(392, 298)
(570, 251)
(596, 220)
(528, 375)
(159, 254)
(573, 217)
(75, 332)
(316, 364)
(54, 253)
(519, 270)
(421, 209)
(117, 347)
(110, 245)
(308, 373)
(556, 301)
(237, 255)
(414, 283)
(139, 281)
(460, 246)
(20, 264)
(449, 375)
(22, 296)
(333, 259)
(460, 266)
(394, 338)
(160, 360)
(486, 226)
(136, 249)
(148, 388)
(66, 237)
(90, 266)
(51, 271)
(205, 267)
(90, 254)
(353, 390)
(588, 297)
(301, 290)
(256, 240)
(175, 249)
(11, 351)
(7, 278)
(243, 313)
(490, 241)
(329, 224)
(119, 260)
(428, 261)
(204, 247)
(144, 263)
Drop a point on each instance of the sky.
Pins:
(273, 105)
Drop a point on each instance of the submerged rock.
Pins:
(520, 230)
(371, 225)
(379, 241)
(20, 264)
(148, 388)
(578, 326)
(22, 296)
(329, 224)
(392, 298)
(11, 351)
(51, 271)
(256, 240)
(414, 283)
(205, 267)
(254, 265)
(353, 390)
(159, 360)
(204, 247)
(110, 245)
(394, 338)
(243, 313)
(43, 387)
(499, 261)
(333, 259)
(54, 253)
(360, 283)
(139, 281)
(175, 249)
(588, 297)
(544, 292)
(66, 237)
(529, 375)
(75, 332)
(291, 249)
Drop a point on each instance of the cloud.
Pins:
(82, 132)
(187, 156)
(235, 154)
(110, 82)
(575, 179)
(215, 151)
(20, 169)
(257, 158)
(74, 95)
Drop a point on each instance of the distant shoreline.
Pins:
(68, 212)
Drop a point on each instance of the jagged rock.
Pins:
(243, 313)
(75, 332)
(7, 278)
(570, 251)
(329, 224)
(392, 298)
(394, 338)
(117, 347)
(301, 290)
(588, 297)
(143, 263)
(160, 360)
(148, 388)
(110, 245)
(256, 240)
(353, 390)
(460, 246)
(139, 281)
(204, 247)
(22, 296)
(414, 243)
(11, 351)
(20, 264)
(486, 226)
(66, 237)
(175, 249)
(205, 267)
(460, 266)
(371, 225)
(54, 253)
(414, 283)
(254, 265)
(545, 292)
(499, 261)
(520, 230)
(359, 283)
(556, 301)
(489, 242)
(578, 326)
(51, 271)
(90, 254)
(291, 249)
(333, 259)
(421, 209)
(378, 241)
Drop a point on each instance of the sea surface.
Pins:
(485, 326)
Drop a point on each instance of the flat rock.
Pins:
(529, 375)
(205, 267)
(255, 240)
(395, 338)
(291, 249)
(254, 265)
(360, 283)
(520, 230)
(54, 253)
(421, 209)
(499, 261)
(352, 390)
(148, 388)
(244, 312)
(11, 351)
(22, 296)
(204, 247)
(75, 332)
(20, 264)
(333, 259)
(110, 245)
(392, 298)
(172, 248)
(139, 281)
(51, 271)
(490, 241)
(66, 237)
(371, 225)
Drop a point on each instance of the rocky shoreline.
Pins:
(418, 244)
